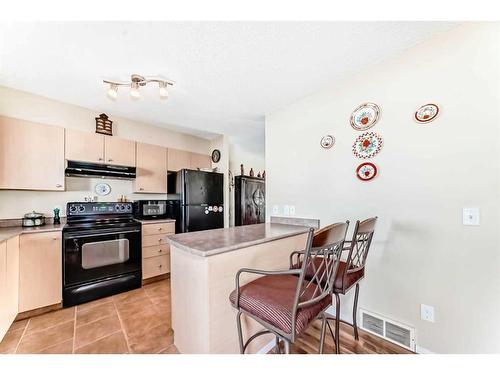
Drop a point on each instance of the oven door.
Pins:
(98, 254)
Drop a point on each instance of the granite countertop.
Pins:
(9, 232)
(156, 221)
(216, 241)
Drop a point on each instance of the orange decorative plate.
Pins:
(366, 171)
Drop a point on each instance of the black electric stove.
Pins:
(101, 251)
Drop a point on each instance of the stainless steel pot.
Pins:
(33, 219)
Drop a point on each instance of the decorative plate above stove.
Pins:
(102, 189)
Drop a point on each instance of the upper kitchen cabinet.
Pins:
(151, 163)
(200, 161)
(84, 146)
(31, 155)
(118, 151)
(178, 159)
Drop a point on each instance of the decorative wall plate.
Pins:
(366, 171)
(367, 145)
(426, 113)
(365, 116)
(215, 156)
(102, 189)
(327, 141)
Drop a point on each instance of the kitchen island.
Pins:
(203, 270)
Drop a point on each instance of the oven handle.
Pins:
(93, 234)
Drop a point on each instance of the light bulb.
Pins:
(134, 90)
(163, 90)
(112, 91)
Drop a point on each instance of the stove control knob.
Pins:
(122, 208)
(72, 208)
(81, 208)
(117, 207)
(129, 208)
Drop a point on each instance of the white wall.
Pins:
(427, 173)
(18, 104)
(238, 155)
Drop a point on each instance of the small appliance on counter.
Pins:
(33, 219)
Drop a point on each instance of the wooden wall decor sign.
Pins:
(365, 116)
(426, 113)
(103, 125)
(366, 171)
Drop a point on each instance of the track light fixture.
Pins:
(136, 81)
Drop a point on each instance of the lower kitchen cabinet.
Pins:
(155, 248)
(9, 283)
(40, 270)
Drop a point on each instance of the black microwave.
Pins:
(145, 210)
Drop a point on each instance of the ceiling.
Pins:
(228, 74)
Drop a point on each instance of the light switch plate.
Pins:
(292, 210)
(286, 210)
(276, 209)
(427, 313)
(471, 216)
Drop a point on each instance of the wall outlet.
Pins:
(286, 210)
(427, 313)
(276, 209)
(471, 216)
(292, 210)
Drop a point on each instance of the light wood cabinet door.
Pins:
(12, 282)
(31, 155)
(40, 270)
(118, 151)
(178, 159)
(200, 161)
(151, 173)
(84, 146)
(4, 321)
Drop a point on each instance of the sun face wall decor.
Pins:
(367, 145)
(365, 116)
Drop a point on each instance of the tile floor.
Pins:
(138, 321)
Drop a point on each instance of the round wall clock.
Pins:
(365, 116)
(426, 113)
(215, 156)
(366, 171)
(102, 189)
(327, 141)
(367, 145)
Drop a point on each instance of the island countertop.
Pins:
(216, 241)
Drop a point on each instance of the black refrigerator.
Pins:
(249, 200)
(201, 200)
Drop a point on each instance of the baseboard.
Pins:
(421, 350)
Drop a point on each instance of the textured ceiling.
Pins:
(228, 74)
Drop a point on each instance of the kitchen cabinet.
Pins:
(40, 270)
(178, 159)
(31, 155)
(200, 161)
(155, 249)
(9, 283)
(151, 173)
(84, 146)
(118, 151)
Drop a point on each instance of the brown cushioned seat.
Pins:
(341, 284)
(271, 298)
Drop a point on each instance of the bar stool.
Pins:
(350, 272)
(284, 302)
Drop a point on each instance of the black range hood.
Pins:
(82, 169)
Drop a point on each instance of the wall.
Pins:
(250, 159)
(427, 173)
(18, 104)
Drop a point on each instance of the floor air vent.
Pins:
(390, 330)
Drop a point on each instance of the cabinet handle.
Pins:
(159, 228)
(159, 239)
(160, 266)
(141, 188)
(54, 238)
(100, 159)
(160, 250)
(110, 159)
(58, 185)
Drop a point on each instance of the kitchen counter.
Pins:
(203, 266)
(216, 241)
(155, 221)
(9, 232)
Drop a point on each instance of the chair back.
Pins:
(360, 244)
(320, 264)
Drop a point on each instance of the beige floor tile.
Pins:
(50, 319)
(112, 344)
(160, 289)
(170, 350)
(94, 313)
(152, 341)
(132, 296)
(34, 342)
(94, 303)
(65, 347)
(10, 341)
(133, 308)
(20, 324)
(139, 324)
(93, 331)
